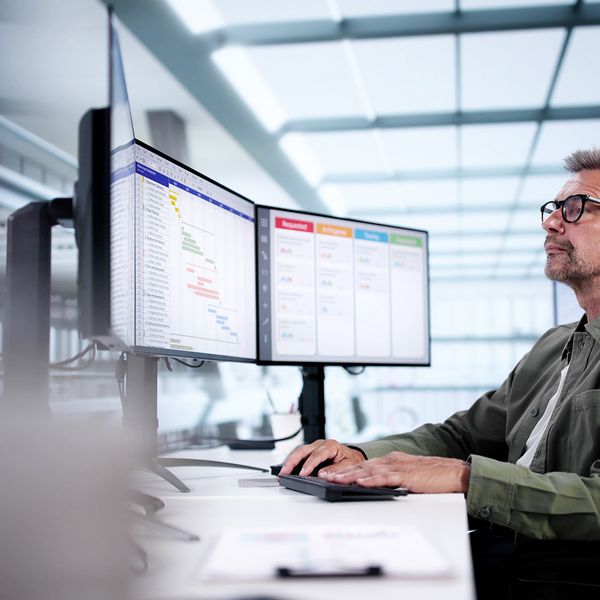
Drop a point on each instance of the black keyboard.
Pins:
(338, 492)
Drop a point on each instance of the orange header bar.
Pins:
(325, 229)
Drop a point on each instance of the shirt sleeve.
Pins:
(557, 505)
(479, 430)
(542, 506)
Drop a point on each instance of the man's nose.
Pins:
(554, 222)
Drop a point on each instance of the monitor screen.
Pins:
(341, 291)
(182, 268)
(183, 260)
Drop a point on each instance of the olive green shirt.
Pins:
(559, 496)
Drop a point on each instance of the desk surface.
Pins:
(218, 502)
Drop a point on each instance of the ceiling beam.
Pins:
(399, 211)
(188, 59)
(445, 235)
(452, 118)
(403, 25)
(532, 277)
(427, 175)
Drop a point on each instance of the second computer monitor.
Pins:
(341, 291)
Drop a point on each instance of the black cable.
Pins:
(252, 441)
(196, 366)
(167, 361)
(191, 444)
(351, 372)
(63, 365)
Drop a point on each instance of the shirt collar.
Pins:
(593, 328)
(568, 347)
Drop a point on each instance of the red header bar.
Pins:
(285, 223)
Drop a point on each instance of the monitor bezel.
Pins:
(317, 363)
(168, 353)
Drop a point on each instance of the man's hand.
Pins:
(317, 453)
(420, 474)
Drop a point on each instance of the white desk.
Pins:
(217, 502)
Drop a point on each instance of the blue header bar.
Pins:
(161, 179)
(371, 236)
(121, 173)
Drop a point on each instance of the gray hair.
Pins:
(583, 160)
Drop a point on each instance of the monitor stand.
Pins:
(312, 402)
(140, 414)
(26, 333)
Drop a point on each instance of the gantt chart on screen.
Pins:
(338, 290)
(183, 260)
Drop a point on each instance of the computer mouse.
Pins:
(296, 470)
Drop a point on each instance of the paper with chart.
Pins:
(256, 554)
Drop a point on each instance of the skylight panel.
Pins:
(243, 76)
(310, 80)
(368, 196)
(442, 245)
(508, 69)
(333, 200)
(511, 271)
(521, 241)
(421, 148)
(578, 82)
(434, 223)
(526, 220)
(345, 152)
(488, 191)
(521, 259)
(461, 273)
(360, 8)
(297, 149)
(423, 195)
(398, 196)
(560, 138)
(409, 75)
(484, 221)
(497, 145)
(487, 4)
(538, 189)
(484, 242)
(462, 259)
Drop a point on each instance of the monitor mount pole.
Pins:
(312, 403)
(26, 337)
(140, 415)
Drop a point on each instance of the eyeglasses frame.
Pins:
(560, 205)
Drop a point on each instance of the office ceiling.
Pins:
(452, 116)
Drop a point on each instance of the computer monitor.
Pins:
(102, 132)
(336, 291)
(166, 261)
(166, 255)
(182, 260)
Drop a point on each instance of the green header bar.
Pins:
(406, 240)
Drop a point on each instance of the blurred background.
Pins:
(452, 116)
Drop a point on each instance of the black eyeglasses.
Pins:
(571, 208)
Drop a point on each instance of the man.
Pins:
(527, 455)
